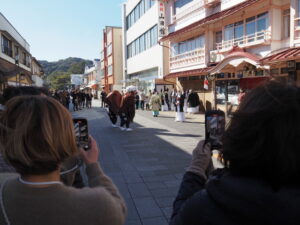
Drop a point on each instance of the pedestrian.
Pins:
(103, 96)
(162, 100)
(37, 196)
(89, 98)
(168, 107)
(260, 181)
(75, 101)
(113, 100)
(148, 97)
(180, 107)
(155, 103)
(127, 109)
(142, 99)
(137, 101)
(173, 100)
(241, 95)
(193, 102)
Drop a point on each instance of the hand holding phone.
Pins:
(214, 128)
(91, 155)
(81, 132)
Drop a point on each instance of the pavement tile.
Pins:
(172, 183)
(155, 221)
(155, 185)
(165, 192)
(133, 222)
(164, 202)
(147, 208)
(159, 178)
(167, 212)
(132, 177)
(138, 190)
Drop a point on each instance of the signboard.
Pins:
(161, 19)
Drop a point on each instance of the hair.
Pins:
(11, 92)
(263, 137)
(36, 134)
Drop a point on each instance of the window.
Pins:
(142, 43)
(16, 53)
(24, 58)
(188, 45)
(227, 91)
(153, 36)
(229, 32)
(6, 46)
(109, 49)
(286, 23)
(141, 8)
(102, 55)
(218, 38)
(239, 32)
(180, 3)
(110, 70)
(250, 29)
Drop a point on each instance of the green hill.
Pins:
(58, 73)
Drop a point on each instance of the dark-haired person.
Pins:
(127, 109)
(37, 195)
(113, 100)
(261, 153)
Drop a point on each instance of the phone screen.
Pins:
(81, 132)
(215, 128)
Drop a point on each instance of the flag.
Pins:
(206, 84)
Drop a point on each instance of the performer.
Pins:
(113, 100)
(193, 102)
(179, 107)
(127, 109)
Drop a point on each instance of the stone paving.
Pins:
(147, 163)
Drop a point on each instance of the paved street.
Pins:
(146, 164)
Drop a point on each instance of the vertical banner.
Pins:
(161, 18)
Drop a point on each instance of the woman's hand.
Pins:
(92, 154)
(201, 159)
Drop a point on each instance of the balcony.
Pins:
(245, 41)
(211, 3)
(191, 58)
(193, 10)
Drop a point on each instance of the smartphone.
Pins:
(214, 128)
(81, 132)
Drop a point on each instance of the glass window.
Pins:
(148, 39)
(180, 3)
(142, 7)
(286, 23)
(147, 4)
(250, 29)
(142, 43)
(221, 87)
(6, 46)
(218, 38)
(109, 49)
(262, 22)
(110, 70)
(229, 32)
(239, 33)
(137, 46)
(154, 36)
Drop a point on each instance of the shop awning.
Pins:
(190, 73)
(210, 19)
(235, 57)
(285, 55)
(163, 82)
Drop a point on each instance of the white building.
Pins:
(92, 77)
(76, 80)
(144, 64)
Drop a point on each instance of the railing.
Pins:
(196, 8)
(252, 39)
(189, 58)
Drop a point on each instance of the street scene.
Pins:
(149, 112)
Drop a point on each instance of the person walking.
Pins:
(142, 99)
(155, 103)
(173, 99)
(103, 96)
(137, 101)
(180, 107)
(127, 109)
(168, 107)
(193, 102)
(37, 196)
(148, 97)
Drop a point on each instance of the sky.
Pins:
(57, 29)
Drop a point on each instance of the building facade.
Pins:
(111, 59)
(92, 78)
(230, 43)
(15, 57)
(37, 73)
(145, 60)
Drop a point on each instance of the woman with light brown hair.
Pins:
(36, 136)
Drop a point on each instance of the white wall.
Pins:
(148, 59)
(8, 27)
(38, 82)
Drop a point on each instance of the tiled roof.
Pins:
(211, 18)
(288, 54)
(190, 73)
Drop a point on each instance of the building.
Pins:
(77, 80)
(92, 77)
(15, 57)
(145, 60)
(37, 73)
(111, 59)
(234, 44)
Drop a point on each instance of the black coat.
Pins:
(193, 100)
(231, 200)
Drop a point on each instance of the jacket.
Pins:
(230, 200)
(155, 102)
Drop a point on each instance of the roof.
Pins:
(190, 73)
(210, 19)
(287, 54)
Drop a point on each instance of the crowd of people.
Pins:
(179, 101)
(259, 183)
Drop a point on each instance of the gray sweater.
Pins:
(57, 204)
